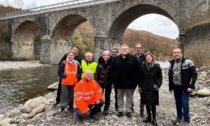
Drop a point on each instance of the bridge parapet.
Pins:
(54, 7)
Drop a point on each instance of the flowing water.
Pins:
(18, 86)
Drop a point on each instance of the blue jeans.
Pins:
(182, 103)
(95, 109)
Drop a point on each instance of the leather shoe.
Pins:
(129, 115)
(119, 114)
(148, 119)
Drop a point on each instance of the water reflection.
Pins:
(17, 86)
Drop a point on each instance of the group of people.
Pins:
(88, 84)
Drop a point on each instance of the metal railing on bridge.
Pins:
(54, 7)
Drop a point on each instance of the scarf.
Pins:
(71, 61)
(149, 66)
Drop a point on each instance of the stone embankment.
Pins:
(40, 112)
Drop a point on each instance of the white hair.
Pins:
(88, 53)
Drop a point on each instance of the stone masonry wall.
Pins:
(197, 44)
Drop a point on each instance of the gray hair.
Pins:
(88, 53)
(105, 52)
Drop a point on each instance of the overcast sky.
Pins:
(154, 23)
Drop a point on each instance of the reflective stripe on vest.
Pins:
(70, 71)
(86, 95)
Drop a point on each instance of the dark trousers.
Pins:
(94, 110)
(115, 95)
(58, 91)
(108, 90)
(182, 103)
(141, 103)
(148, 107)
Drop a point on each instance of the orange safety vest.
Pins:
(87, 93)
(70, 71)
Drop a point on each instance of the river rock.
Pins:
(53, 86)
(1, 117)
(203, 92)
(38, 109)
(14, 112)
(36, 102)
(5, 122)
(26, 109)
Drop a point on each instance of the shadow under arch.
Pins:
(67, 25)
(27, 41)
(123, 20)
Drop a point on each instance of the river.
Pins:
(18, 86)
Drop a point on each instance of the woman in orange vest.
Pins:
(70, 72)
(88, 94)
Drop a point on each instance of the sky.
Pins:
(154, 23)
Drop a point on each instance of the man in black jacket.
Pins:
(75, 50)
(124, 69)
(182, 77)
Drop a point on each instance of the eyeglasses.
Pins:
(138, 47)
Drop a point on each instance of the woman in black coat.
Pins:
(101, 77)
(150, 82)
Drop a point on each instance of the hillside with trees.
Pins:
(160, 46)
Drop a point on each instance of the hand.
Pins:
(156, 87)
(190, 90)
(98, 101)
(140, 90)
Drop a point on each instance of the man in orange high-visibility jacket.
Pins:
(88, 93)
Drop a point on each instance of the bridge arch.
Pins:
(26, 42)
(122, 21)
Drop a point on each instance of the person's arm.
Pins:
(61, 70)
(159, 76)
(62, 59)
(193, 75)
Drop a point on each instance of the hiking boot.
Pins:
(177, 120)
(148, 119)
(119, 114)
(154, 122)
(141, 113)
(71, 109)
(128, 114)
(106, 111)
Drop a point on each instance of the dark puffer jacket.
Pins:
(101, 72)
(188, 74)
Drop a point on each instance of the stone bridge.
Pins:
(45, 31)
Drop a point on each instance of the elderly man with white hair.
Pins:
(89, 64)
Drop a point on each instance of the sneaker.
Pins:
(128, 114)
(141, 113)
(119, 114)
(106, 111)
(154, 122)
(71, 109)
(177, 120)
(148, 119)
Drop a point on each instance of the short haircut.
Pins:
(105, 52)
(115, 49)
(75, 47)
(87, 53)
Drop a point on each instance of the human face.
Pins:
(138, 49)
(149, 59)
(114, 52)
(89, 57)
(70, 56)
(177, 54)
(75, 51)
(105, 57)
(88, 75)
(124, 50)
